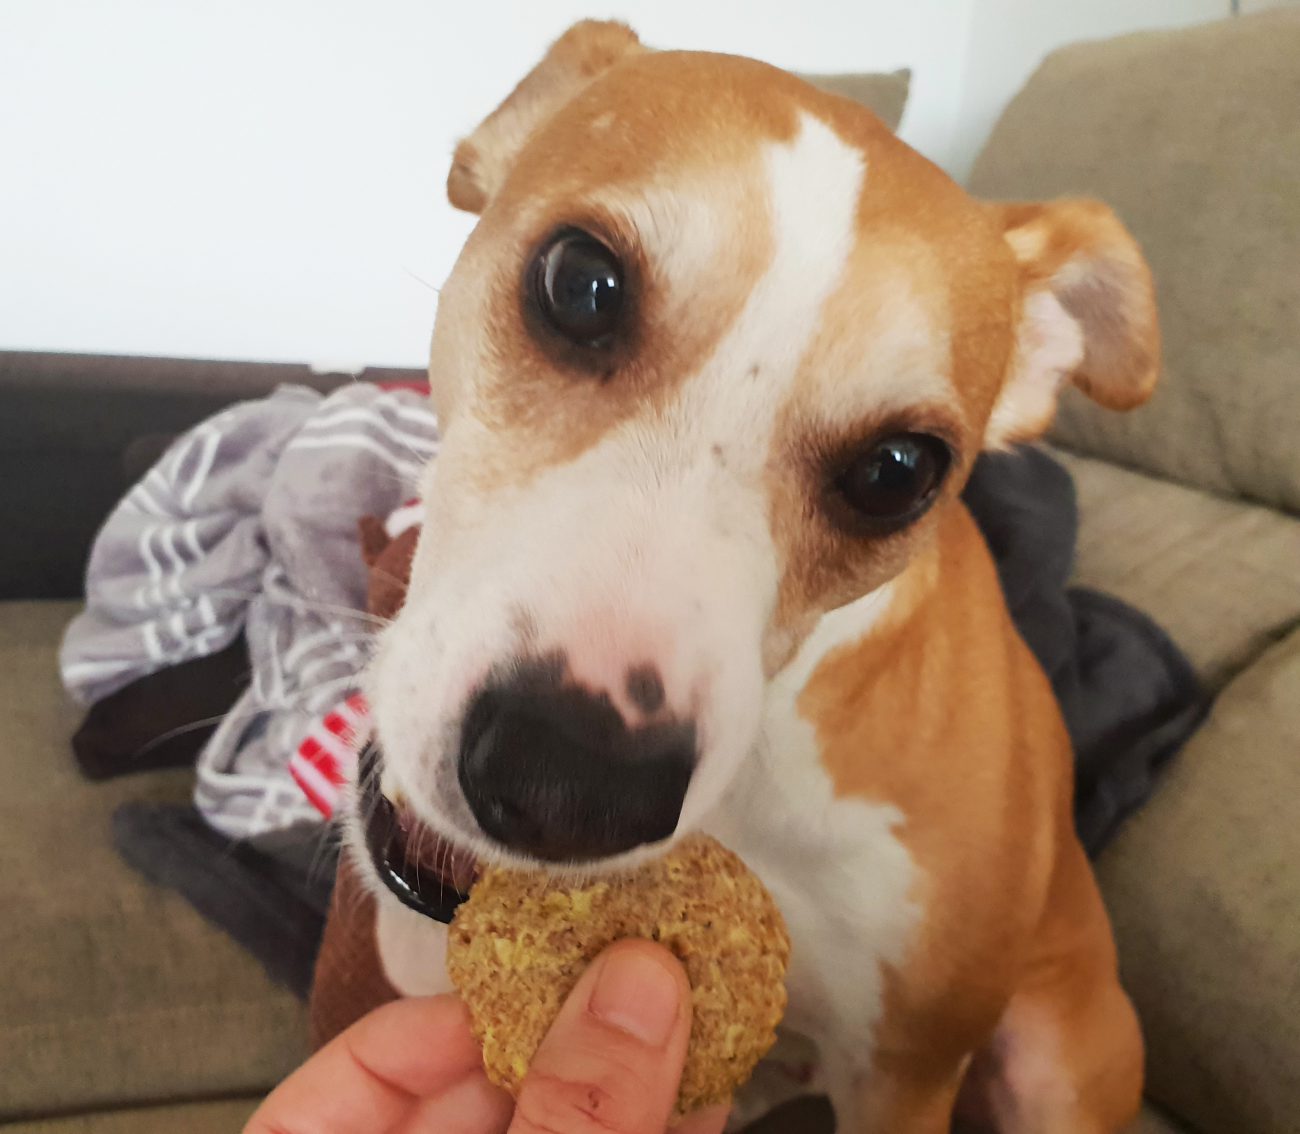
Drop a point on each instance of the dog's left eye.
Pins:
(578, 283)
(895, 479)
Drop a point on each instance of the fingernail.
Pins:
(636, 994)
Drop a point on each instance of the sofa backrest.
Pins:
(884, 93)
(1193, 137)
(76, 431)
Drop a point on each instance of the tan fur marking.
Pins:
(1011, 902)
(946, 766)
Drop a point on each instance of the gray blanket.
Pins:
(1129, 697)
(249, 523)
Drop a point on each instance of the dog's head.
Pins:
(716, 354)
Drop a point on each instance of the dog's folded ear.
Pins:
(482, 160)
(1087, 315)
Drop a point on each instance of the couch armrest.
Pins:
(1204, 890)
(65, 431)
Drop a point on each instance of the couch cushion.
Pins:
(883, 94)
(115, 992)
(224, 1117)
(1204, 891)
(228, 1116)
(1193, 136)
(1222, 577)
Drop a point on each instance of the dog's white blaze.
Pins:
(813, 187)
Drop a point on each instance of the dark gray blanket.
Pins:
(1129, 697)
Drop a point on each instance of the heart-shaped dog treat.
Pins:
(518, 945)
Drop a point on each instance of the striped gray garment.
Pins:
(250, 521)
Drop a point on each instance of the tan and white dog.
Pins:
(712, 369)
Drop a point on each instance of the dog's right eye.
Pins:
(578, 284)
(892, 481)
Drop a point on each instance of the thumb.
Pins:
(612, 1060)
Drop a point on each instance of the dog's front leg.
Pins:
(843, 1088)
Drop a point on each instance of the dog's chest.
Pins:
(843, 878)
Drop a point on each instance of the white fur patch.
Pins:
(412, 949)
(843, 627)
(813, 189)
(836, 866)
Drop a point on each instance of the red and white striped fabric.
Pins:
(328, 754)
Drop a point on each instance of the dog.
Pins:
(712, 369)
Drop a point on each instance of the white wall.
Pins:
(1009, 38)
(263, 179)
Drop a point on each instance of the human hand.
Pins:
(609, 1065)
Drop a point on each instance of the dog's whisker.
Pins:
(298, 602)
(420, 458)
(248, 714)
(327, 839)
(415, 852)
(444, 868)
(384, 573)
(422, 281)
(180, 730)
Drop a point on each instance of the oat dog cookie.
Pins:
(518, 945)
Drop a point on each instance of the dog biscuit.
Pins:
(518, 945)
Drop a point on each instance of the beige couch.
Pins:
(1190, 511)
(120, 1010)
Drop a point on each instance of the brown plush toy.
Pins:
(389, 560)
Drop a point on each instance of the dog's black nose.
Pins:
(553, 771)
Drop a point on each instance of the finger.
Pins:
(471, 1106)
(371, 1076)
(612, 1060)
(711, 1121)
